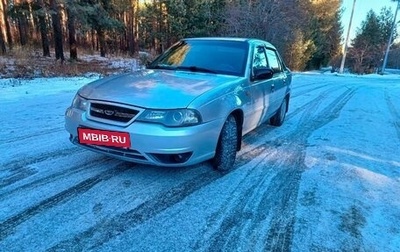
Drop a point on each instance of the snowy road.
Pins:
(327, 180)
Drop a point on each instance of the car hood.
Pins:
(157, 89)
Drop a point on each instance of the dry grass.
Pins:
(29, 63)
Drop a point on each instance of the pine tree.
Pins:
(3, 48)
(58, 35)
(369, 44)
(325, 31)
(2, 39)
(98, 14)
(41, 13)
(6, 27)
(72, 13)
(19, 12)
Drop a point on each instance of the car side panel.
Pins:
(278, 92)
(280, 86)
(258, 105)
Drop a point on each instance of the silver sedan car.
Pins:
(193, 103)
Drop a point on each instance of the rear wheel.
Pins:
(279, 117)
(225, 154)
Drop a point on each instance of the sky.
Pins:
(360, 13)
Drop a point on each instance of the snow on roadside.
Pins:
(113, 62)
(12, 89)
(388, 76)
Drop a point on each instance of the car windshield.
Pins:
(209, 56)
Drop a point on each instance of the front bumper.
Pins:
(152, 144)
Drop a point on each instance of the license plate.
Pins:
(104, 137)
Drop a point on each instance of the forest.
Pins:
(308, 33)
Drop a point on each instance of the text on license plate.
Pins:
(104, 137)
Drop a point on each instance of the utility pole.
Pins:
(390, 38)
(347, 39)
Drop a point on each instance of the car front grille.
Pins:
(112, 112)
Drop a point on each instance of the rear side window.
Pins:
(273, 61)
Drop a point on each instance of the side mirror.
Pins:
(263, 73)
(148, 62)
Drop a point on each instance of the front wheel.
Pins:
(279, 117)
(225, 154)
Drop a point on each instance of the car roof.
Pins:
(239, 39)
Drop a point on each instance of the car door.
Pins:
(258, 91)
(279, 85)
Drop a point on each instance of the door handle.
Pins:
(272, 88)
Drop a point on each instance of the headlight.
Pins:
(171, 118)
(79, 103)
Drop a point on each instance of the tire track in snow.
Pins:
(295, 85)
(267, 198)
(16, 175)
(110, 228)
(277, 203)
(395, 114)
(16, 164)
(53, 177)
(8, 226)
(18, 170)
(311, 105)
(222, 226)
(303, 92)
(280, 234)
(33, 135)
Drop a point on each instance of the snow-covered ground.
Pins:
(327, 180)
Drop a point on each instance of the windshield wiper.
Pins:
(196, 69)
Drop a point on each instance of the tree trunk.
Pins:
(2, 31)
(22, 28)
(2, 44)
(43, 30)
(73, 53)
(93, 40)
(102, 42)
(7, 25)
(136, 31)
(58, 38)
(131, 30)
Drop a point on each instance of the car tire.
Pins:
(225, 154)
(279, 117)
